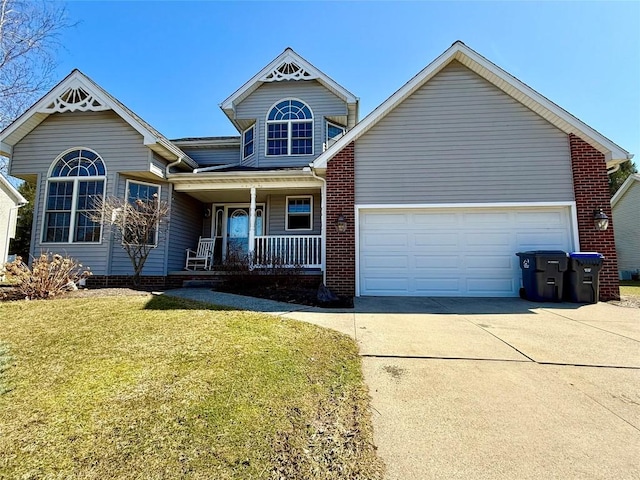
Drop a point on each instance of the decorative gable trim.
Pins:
(513, 87)
(77, 92)
(286, 66)
(75, 98)
(288, 70)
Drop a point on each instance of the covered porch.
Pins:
(267, 219)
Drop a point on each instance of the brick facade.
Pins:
(591, 189)
(341, 247)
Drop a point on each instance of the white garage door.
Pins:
(454, 252)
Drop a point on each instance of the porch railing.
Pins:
(303, 251)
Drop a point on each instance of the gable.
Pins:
(288, 67)
(458, 138)
(513, 87)
(78, 93)
(119, 145)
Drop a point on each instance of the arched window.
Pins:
(290, 129)
(76, 180)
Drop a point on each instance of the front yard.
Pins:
(157, 387)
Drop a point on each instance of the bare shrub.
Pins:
(50, 275)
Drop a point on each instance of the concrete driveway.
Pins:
(499, 388)
(493, 388)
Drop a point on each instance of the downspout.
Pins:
(323, 201)
(215, 167)
(173, 164)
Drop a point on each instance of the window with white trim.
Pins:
(334, 132)
(290, 129)
(299, 213)
(76, 182)
(147, 193)
(247, 141)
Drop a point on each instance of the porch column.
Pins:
(252, 223)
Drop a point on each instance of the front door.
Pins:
(238, 230)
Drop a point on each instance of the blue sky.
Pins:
(174, 62)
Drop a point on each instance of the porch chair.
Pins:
(202, 257)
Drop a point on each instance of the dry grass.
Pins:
(630, 287)
(158, 387)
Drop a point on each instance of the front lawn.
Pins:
(158, 387)
(630, 287)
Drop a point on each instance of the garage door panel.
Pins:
(446, 240)
(490, 286)
(454, 251)
(489, 239)
(428, 219)
(387, 286)
(494, 262)
(441, 287)
(436, 261)
(536, 240)
(484, 219)
(386, 240)
(372, 262)
(548, 219)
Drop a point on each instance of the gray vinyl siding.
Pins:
(277, 215)
(626, 221)
(119, 145)
(156, 262)
(322, 102)
(206, 157)
(459, 139)
(184, 228)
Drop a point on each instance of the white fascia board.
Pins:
(6, 149)
(74, 79)
(635, 177)
(495, 75)
(18, 199)
(228, 105)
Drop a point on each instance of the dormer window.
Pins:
(247, 142)
(290, 129)
(334, 132)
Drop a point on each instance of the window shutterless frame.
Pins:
(248, 142)
(337, 130)
(151, 186)
(76, 175)
(289, 129)
(298, 201)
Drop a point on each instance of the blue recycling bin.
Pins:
(543, 274)
(583, 277)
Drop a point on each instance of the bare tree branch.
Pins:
(29, 40)
(138, 226)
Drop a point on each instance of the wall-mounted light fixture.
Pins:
(341, 223)
(600, 220)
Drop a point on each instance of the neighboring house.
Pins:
(625, 205)
(433, 193)
(10, 202)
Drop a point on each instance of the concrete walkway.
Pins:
(491, 388)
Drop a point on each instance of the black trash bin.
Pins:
(543, 274)
(583, 277)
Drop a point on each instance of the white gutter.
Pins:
(323, 216)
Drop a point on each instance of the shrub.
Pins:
(50, 275)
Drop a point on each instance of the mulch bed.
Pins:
(299, 295)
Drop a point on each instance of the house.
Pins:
(10, 201)
(432, 193)
(625, 205)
